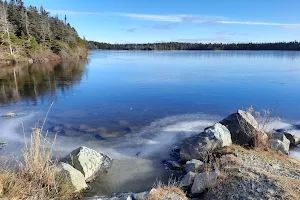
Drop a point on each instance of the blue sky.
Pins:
(139, 21)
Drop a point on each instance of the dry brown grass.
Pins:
(163, 192)
(35, 175)
(38, 165)
(11, 186)
(267, 155)
(286, 186)
(290, 187)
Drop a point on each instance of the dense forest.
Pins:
(295, 46)
(31, 34)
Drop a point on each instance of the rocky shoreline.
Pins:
(47, 56)
(235, 159)
(4, 63)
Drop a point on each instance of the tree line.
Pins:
(25, 31)
(293, 46)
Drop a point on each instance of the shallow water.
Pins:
(135, 105)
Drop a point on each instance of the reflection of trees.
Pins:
(209, 55)
(39, 80)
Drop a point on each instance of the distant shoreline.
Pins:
(187, 50)
(277, 46)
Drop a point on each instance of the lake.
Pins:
(136, 105)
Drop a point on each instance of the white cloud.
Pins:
(256, 23)
(160, 18)
(294, 26)
(177, 18)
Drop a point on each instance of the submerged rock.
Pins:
(173, 165)
(297, 126)
(279, 142)
(140, 196)
(125, 129)
(197, 146)
(13, 114)
(109, 134)
(204, 181)
(9, 115)
(175, 152)
(242, 126)
(89, 162)
(3, 144)
(75, 177)
(57, 129)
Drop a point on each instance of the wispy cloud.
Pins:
(164, 26)
(159, 18)
(177, 18)
(130, 30)
(295, 26)
(257, 23)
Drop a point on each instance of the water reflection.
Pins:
(208, 55)
(39, 81)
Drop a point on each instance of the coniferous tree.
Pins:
(6, 28)
(25, 31)
(196, 46)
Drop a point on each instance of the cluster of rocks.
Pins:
(197, 179)
(238, 128)
(83, 165)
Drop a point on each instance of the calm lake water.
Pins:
(135, 105)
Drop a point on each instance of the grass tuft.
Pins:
(35, 175)
(161, 191)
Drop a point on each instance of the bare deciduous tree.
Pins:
(5, 27)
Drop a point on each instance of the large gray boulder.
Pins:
(204, 181)
(197, 146)
(242, 126)
(194, 166)
(294, 140)
(89, 162)
(75, 177)
(188, 179)
(279, 142)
